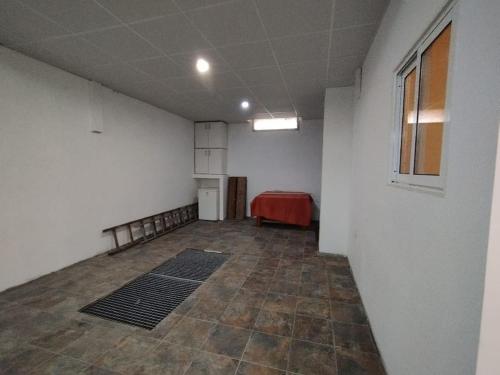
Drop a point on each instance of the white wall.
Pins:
(418, 258)
(489, 340)
(277, 160)
(336, 171)
(60, 184)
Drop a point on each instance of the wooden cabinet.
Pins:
(210, 135)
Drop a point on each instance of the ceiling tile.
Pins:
(147, 91)
(306, 91)
(183, 84)
(74, 51)
(261, 76)
(272, 96)
(80, 15)
(301, 48)
(217, 64)
(229, 23)
(172, 34)
(135, 10)
(292, 17)
(221, 81)
(341, 70)
(232, 98)
(122, 43)
(303, 71)
(358, 12)
(203, 98)
(248, 55)
(116, 75)
(18, 24)
(195, 4)
(159, 67)
(177, 103)
(310, 113)
(354, 41)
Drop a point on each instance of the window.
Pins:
(422, 115)
(290, 123)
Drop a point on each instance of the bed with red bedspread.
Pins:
(284, 206)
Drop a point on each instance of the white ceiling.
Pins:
(278, 54)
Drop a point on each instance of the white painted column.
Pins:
(489, 340)
(336, 171)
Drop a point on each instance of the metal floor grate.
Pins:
(191, 264)
(148, 299)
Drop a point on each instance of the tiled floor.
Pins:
(275, 307)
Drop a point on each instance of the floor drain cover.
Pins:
(148, 299)
(192, 264)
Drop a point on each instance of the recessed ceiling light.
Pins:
(245, 104)
(202, 65)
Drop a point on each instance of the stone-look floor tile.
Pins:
(126, 353)
(314, 276)
(190, 332)
(341, 282)
(313, 329)
(267, 350)
(354, 337)
(316, 307)
(256, 283)
(345, 295)
(313, 290)
(280, 303)
(275, 323)
(217, 292)
(93, 343)
(288, 275)
(61, 365)
(312, 359)
(187, 305)
(338, 270)
(240, 315)
(284, 287)
(45, 299)
(246, 368)
(264, 274)
(348, 313)
(62, 336)
(358, 363)
(273, 258)
(167, 358)
(229, 341)
(250, 297)
(165, 326)
(94, 370)
(212, 364)
(208, 309)
(23, 360)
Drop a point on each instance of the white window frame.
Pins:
(413, 60)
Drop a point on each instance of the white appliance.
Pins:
(208, 204)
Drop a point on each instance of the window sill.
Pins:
(438, 192)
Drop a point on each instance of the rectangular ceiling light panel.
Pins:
(290, 123)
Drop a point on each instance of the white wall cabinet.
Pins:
(201, 160)
(210, 161)
(210, 135)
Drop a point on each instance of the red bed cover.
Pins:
(284, 206)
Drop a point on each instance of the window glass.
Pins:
(431, 106)
(407, 121)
